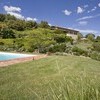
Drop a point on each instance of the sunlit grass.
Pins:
(52, 78)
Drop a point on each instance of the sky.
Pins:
(82, 15)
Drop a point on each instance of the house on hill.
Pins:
(69, 32)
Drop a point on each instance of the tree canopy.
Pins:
(90, 36)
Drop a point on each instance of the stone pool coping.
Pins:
(20, 60)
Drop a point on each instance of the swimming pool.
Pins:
(9, 56)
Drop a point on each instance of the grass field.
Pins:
(52, 78)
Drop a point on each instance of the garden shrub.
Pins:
(58, 48)
(78, 51)
(95, 55)
(96, 46)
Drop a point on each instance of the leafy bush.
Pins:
(18, 25)
(95, 55)
(2, 17)
(58, 31)
(78, 51)
(61, 38)
(97, 39)
(69, 48)
(7, 33)
(44, 24)
(96, 46)
(58, 48)
(31, 24)
(90, 36)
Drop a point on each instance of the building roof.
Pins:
(65, 29)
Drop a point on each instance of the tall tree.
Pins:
(80, 36)
(18, 25)
(31, 24)
(44, 24)
(2, 17)
(90, 36)
(7, 33)
(10, 17)
(98, 38)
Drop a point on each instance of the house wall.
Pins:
(74, 36)
(69, 32)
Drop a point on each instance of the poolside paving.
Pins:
(20, 60)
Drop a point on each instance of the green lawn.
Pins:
(52, 78)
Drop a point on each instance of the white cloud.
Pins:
(88, 17)
(88, 31)
(16, 11)
(84, 18)
(17, 15)
(66, 12)
(83, 23)
(49, 24)
(80, 10)
(12, 9)
(94, 9)
(99, 4)
(35, 19)
(85, 6)
(31, 19)
(88, 11)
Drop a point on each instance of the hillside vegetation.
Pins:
(29, 36)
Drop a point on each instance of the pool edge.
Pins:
(20, 60)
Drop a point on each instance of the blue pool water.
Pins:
(10, 56)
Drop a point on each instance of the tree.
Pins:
(2, 17)
(96, 46)
(18, 25)
(80, 36)
(31, 24)
(2, 26)
(90, 36)
(44, 24)
(98, 39)
(7, 33)
(62, 38)
(9, 17)
(58, 31)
